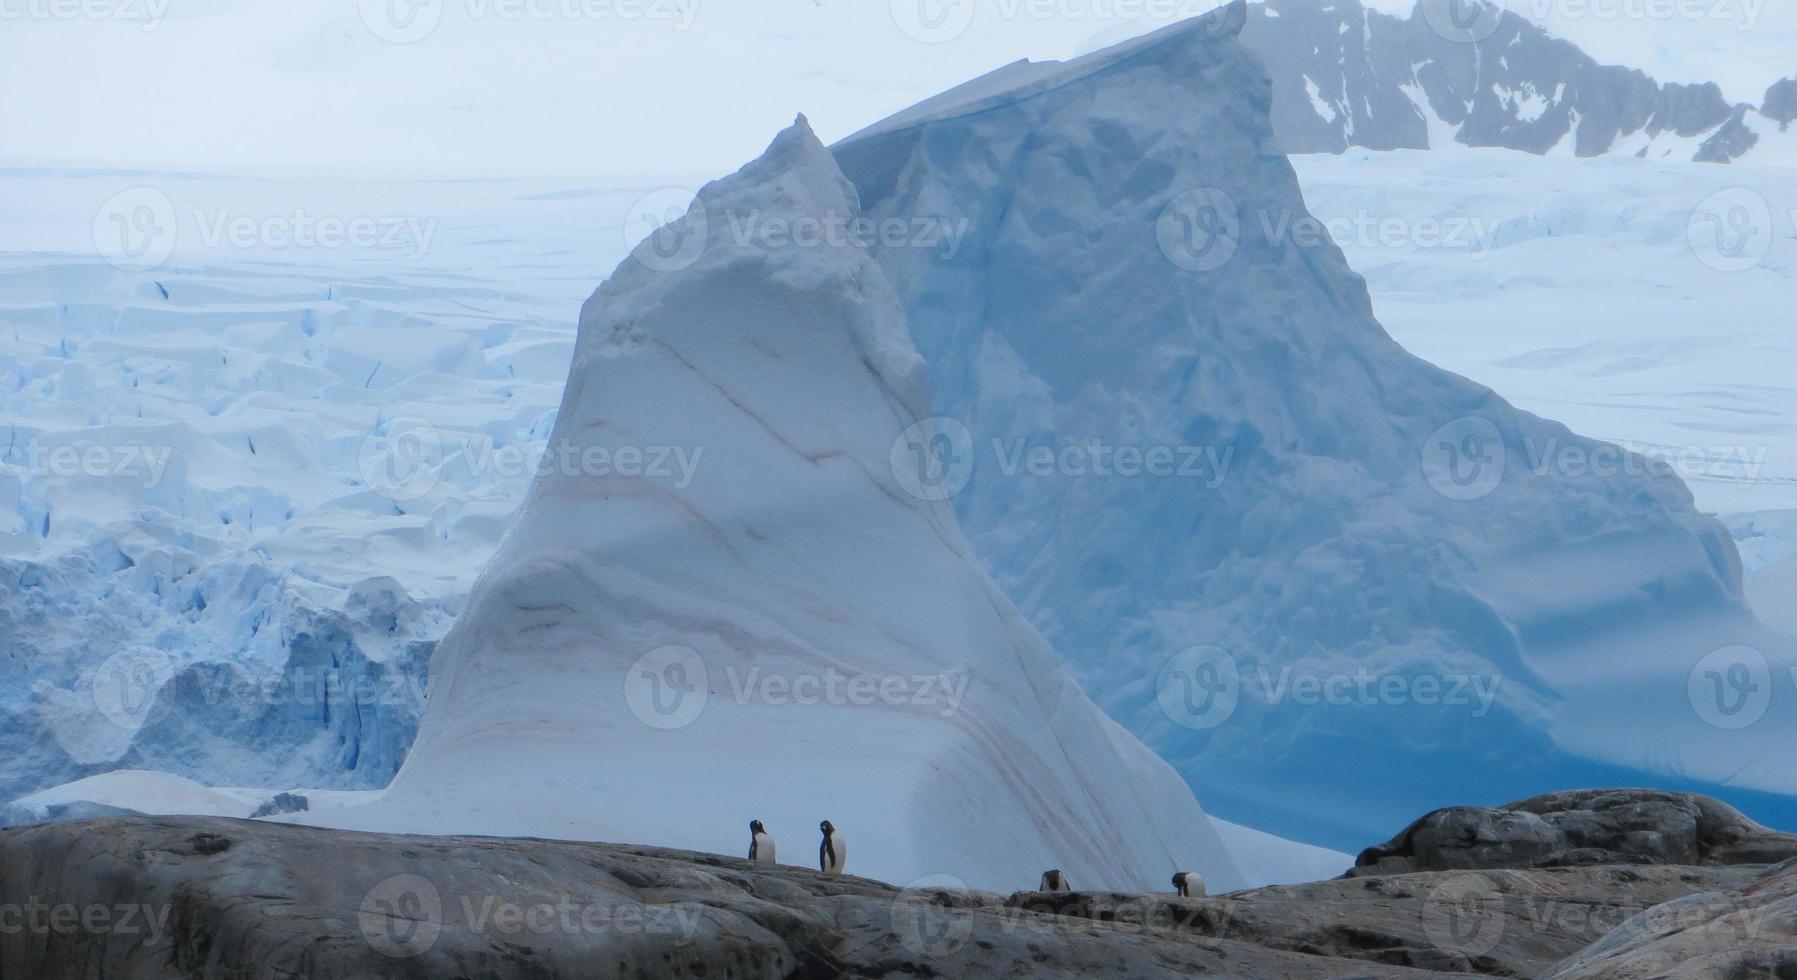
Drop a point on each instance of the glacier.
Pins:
(633, 663)
(1378, 587)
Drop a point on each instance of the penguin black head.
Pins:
(1179, 879)
(755, 827)
(827, 827)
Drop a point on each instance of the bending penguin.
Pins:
(1189, 884)
(762, 849)
(832, 853)
(1054, 881)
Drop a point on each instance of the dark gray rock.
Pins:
(281, 804)
(1731, 141)
(1746, 930)
(1584, 827)
(1344, 75)
(1502, 923)
(201, 898)
(1781, 103)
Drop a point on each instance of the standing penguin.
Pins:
(762, 849)
(1054, 881)
(832, 853)
(1189, 884)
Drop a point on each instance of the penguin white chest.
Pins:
(764, 850)
(832, 854)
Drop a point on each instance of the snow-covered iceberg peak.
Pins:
(774, 629)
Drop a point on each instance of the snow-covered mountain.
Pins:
(1361, 581)
(787, 634)
(1482, 75)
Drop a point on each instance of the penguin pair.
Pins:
(832, 852)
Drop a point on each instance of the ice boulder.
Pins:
(785, 629)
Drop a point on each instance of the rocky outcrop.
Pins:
(201, 898)
(1509, 923)
(1744, 931)
(151, 897)
(1585, 827)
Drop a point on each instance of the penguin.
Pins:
(762, 849)
(832, 853)
(1189, 884)
(1054, 881)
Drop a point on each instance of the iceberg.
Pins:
(788, 632)
(1354, 576)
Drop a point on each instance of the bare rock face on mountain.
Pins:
(1781, 103)
(1345, 75)
(1586, 827)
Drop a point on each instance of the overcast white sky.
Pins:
(614, 87)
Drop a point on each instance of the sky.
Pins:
(617, 88)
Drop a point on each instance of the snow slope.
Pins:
(634, 662)
(1365, 587)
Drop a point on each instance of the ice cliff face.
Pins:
(789, 635)
(1353, 576)
(1480, 75)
